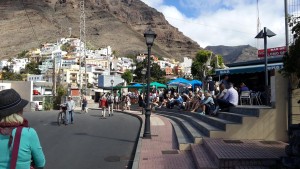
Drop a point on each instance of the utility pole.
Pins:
(82, 46)
(54, 76)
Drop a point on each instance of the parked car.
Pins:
(36, 92)
(38, 105)
(48, 92)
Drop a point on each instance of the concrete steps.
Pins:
(188, 129)
(236, 154)
(184, 142)
(202, 158)
(237, 123)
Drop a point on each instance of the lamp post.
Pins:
(264, 34)
(143, 73)
(149, 36)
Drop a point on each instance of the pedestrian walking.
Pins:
(110, 102)
(127, 102)
(19, 143)
(70, 111)
(103, 105)
(116, 101)
(84, 105)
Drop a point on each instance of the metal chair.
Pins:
(245, 95)
(256, 97)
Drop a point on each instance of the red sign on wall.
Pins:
(279, 51)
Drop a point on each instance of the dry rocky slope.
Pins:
(232, 54)
(26, 24)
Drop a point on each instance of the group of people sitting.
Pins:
(202, 102)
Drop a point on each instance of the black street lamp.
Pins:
(264, 34)
(149, 36)
(143, 73)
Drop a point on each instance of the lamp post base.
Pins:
(147, 132)
(147, 136)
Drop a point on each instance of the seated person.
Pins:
(154, 103)
(243, 87)
(231, 98)
(206, 105)
(189, 99)
(196, 100)
(166, 102)
(178, 101)
(222, 92)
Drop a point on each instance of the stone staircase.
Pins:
(226, 141)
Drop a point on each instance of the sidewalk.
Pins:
(160, 151)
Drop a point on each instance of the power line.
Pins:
(22, 2)
(197, 23)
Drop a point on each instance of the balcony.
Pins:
(73, 78)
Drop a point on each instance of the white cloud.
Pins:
(226, 22)
(154, 3)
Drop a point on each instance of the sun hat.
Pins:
(10, 102)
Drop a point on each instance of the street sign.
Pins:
(271, 52)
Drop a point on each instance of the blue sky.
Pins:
(224, 22)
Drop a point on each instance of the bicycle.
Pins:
(62, 114)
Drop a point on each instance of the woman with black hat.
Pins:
(19, 144)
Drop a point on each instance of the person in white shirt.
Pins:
(231, 98)
(70, 111)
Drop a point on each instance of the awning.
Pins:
(249, 69)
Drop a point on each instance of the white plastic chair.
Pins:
(245, 95)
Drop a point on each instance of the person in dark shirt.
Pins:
(225, 81)
(243, 87)
(211, 86)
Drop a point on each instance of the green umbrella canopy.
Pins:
(158, 85)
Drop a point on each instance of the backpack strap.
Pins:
(15, 150)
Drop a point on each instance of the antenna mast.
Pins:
(258, 24)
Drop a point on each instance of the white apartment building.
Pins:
(46, 65)
(3, 63)
(72, 76)
(18, 64)
(125, 63)
(187, 65)
(48, 48)
(141, 57)
(97, 71)
(66, 63)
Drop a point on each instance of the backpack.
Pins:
(110, 100)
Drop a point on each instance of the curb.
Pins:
(136, 161)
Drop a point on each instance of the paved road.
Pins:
(89, 143)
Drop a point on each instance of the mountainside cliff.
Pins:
(232, 54)
(120, 24)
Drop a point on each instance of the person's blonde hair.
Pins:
(13, 118)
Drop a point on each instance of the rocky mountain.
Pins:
(233, 54)
(120, 24)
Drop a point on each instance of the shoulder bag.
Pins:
(15, 150)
